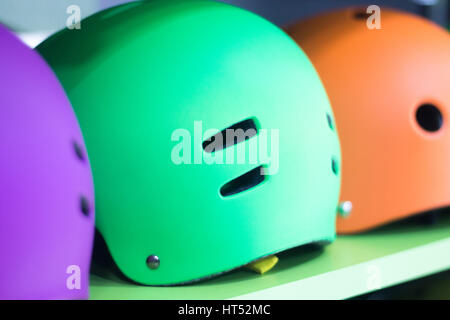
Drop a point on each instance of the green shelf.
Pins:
(351, 266)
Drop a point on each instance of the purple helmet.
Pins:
(46, 188)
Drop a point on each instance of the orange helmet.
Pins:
(390, 90)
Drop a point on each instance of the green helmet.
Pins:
(151, 82)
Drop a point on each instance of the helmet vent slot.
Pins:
(238, 132)
(84, 206)
(334, 166)
(429, 117)
(330, 121)
(78, 151)
(246, 181)
(361, 14)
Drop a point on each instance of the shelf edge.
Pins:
(364, 277)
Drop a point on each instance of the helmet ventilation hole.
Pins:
(330, 121)
(238, 132)
(78, 151)
(361, 14)
(84, 206)
(246, 181)
(429, 117)
(334, 166)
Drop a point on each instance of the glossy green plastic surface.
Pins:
(137, 73)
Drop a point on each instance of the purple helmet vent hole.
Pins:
(78, 151)
(84, 206)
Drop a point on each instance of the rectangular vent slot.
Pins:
(246, 181)
(238, 132)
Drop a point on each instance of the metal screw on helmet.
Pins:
(345, 208)
(153, 262)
